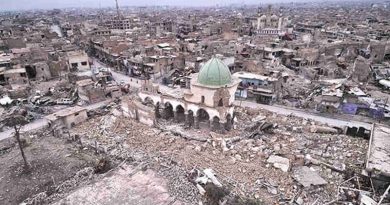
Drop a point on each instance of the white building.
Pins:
(270, 23)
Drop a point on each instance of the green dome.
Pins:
(214, 73)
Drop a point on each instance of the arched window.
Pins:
(220, 103)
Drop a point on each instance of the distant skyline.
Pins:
(51, 4)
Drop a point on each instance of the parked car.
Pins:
(65, 101)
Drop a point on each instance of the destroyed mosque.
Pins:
(195, 103)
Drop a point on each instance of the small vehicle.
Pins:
(64, 101)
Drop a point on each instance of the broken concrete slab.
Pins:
(307, 177)
(124, 186)
(323, 129)
(366, 200)
(279, 162)
(210, 174)
(378, 156)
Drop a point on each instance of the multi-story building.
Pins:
(270, 23)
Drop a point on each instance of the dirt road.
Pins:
(41, 123)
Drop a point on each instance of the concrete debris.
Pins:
(202, 180)
(177, 131)
(204, 177)
(259, 126)
(379, 151)
(339, 167)
(201, 189)
(223, 145)
(259, 118)
(366, 200)
(272, 190)
(209, 173)
(5, 101)
(279, 103)
(82, 176)
(323, 129)
(37, 199)
(282, 148)
(107, 122)
(299, 201)
(279, 162)
(307, 177)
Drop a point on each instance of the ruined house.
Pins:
(78, 60)
(68, 117)
(361, 70)
(89, 92)
(262, 89)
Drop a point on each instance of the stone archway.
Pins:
(168, 111)
(157, 110)
(190, 118)
(148, 101)
(215, 125)
(179, 113)
(202, 119)
(220, 103)
(229, 122)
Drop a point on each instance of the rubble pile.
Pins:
(83, 176)
(269, 166)
(117, 149)
(190, 75)
(299, 149)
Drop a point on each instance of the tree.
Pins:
(17, 121)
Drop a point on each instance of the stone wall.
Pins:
(75, 119)
(43, 71)
(361, 70)
(136, 110)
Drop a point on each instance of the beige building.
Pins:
(207, 100)
(119, 23)
(78, 60)
(68, 117)
(16, 75)
(270, 24)
(89, 92)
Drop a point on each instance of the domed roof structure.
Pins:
(214, 73)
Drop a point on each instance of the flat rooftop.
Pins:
(65, 112)
(246, 75)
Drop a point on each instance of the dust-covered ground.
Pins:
(240, 158)
(243, 165)
(52, 161)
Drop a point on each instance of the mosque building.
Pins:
(270, 24)
(207, 99)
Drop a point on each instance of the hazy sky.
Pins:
(49, 4)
